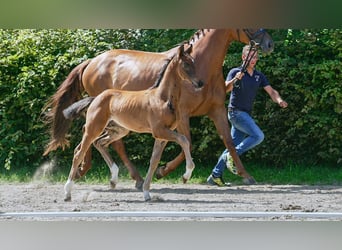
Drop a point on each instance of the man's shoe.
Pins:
(230, 164)
(217, 181)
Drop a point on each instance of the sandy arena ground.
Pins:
(46, 197)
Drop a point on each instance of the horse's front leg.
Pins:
(220, 119)
(183, 127)
(158, 148)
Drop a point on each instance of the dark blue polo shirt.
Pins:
(242, 98)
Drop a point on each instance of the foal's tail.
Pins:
(77, 108)
(68, 92)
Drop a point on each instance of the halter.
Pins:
(253, 36)
(259, 32)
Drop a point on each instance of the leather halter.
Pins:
(252, 36)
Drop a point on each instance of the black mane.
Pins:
(197, 35)
(161, 73)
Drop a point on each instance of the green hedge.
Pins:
(305, 67)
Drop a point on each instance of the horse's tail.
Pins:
(68, 92)
(77, 108)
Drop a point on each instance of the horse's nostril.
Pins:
(200, 83)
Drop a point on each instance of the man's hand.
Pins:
(283, 104)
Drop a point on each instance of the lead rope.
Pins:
(253, 49)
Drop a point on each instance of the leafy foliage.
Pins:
(305, 68)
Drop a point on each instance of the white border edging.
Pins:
(175, 214)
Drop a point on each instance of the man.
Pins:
(246, 134)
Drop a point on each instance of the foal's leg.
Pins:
(183, 127)
(79, 154)
(101, 144)
(181, 139)
(120, 149)
(158, 148)
(86, 165)
(185, 144)
(114, 169)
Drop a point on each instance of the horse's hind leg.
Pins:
(170, 166)
(120, 149)
(158, 148)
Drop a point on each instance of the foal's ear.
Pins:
(182, 51)
(189, 49)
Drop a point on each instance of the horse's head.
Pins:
(186, 66)
(260, 36)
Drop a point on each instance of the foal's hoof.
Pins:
(139, 185)
(159, 172)
(249, 181)
(184, 180)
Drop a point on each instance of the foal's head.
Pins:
(186, 67)
(181, 66)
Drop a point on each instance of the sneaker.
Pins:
(217, 181)
(230, 164)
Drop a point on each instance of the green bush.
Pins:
(306, 69)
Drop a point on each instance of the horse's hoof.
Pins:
(184, 180)
(159, 172)
(68, 198)
(139, 185)
(147, 196)
(112, 184)
(249, 181)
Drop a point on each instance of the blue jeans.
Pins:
(245, 134)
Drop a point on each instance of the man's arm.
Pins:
(275, 96)
(230, 84)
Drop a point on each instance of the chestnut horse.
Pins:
(137, 70)
(156, 110)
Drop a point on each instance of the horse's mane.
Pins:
(198, 34)
(162, 72)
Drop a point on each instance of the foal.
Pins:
(155, 110)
